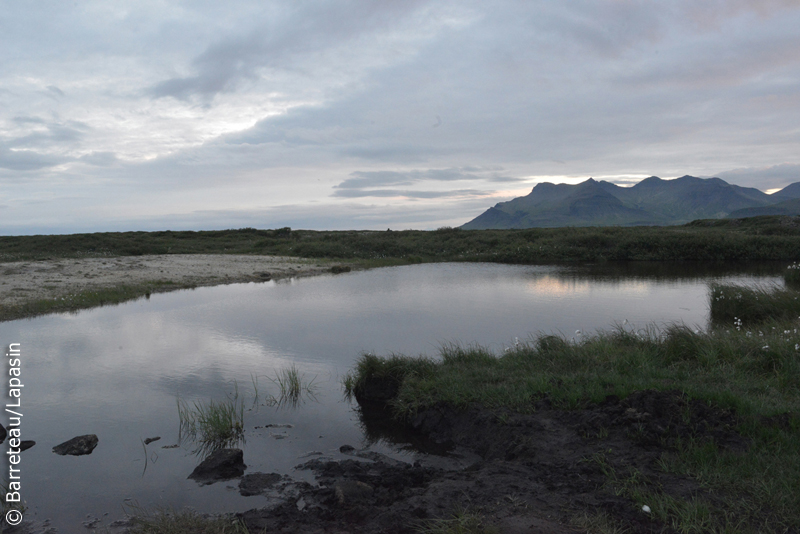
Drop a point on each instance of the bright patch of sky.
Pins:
(359, 114)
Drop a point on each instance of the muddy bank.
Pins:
(544, 471)
(26, 283)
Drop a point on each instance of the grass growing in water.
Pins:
(215, 425)
(293, 387)
(753, 371)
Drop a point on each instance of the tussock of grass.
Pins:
(293, 387)
(792, 275)
(394, 369)
(731, 303)
(183, 522)
(215, 425)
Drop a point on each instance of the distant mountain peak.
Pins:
(652, 201)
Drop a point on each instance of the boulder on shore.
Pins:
(223, 464)
(77, 446)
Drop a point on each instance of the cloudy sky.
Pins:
(123, 115)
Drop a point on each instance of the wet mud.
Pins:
(532, 471)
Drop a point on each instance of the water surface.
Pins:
(117, 371)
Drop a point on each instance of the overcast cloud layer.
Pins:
(363, 114)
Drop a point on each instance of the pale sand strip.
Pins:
(28, 281)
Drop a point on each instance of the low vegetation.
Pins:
(164, 521)
(749, 365)
(740, 305)
(293, 387)
(87, 299)
(213, 425)
(756, 238)
(461, 521)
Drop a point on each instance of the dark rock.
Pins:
(265, 276)
(26, 444)
(3, 433)
(257, 483)
(148, 441)
(77, 446)
(337, 269)
(347, 449)
(223, 464)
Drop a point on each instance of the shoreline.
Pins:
(33, 288)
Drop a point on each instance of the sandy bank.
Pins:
(24, 283)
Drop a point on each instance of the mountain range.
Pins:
(652, 202)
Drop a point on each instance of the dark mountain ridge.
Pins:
(652, 201)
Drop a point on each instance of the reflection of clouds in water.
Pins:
(569, 286)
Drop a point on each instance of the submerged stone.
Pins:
(223, 464)
(77, 446)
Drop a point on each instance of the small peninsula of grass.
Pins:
(750, 368)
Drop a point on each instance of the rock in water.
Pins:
(26, 444)
(77, 446)
(223, 464)
(3, 433)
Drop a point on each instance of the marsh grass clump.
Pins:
(215, 425)
(293, 387)
(791, 276)
(379, 379)
(752, 305)
(164, 521)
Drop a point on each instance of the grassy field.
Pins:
(757, 238)
(750, 366)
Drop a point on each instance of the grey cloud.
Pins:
(99, 159)
(362, 179)
(281, 43)
(55, 90)
(763, 177)
(28, 120)
(356, 193)
(27, 160)
(52, 134)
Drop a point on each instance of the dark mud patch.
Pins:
(535, 472)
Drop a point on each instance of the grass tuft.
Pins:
(164, 521)
(215, 425)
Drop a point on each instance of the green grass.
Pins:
(293, 387)
(164, 521)
(214, 425)
(88, 299)
(744, 307)
(756, 373)
(792, 275)
(756, 238)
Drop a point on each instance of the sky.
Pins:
(154, 115)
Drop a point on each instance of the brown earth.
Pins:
(534, 473)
